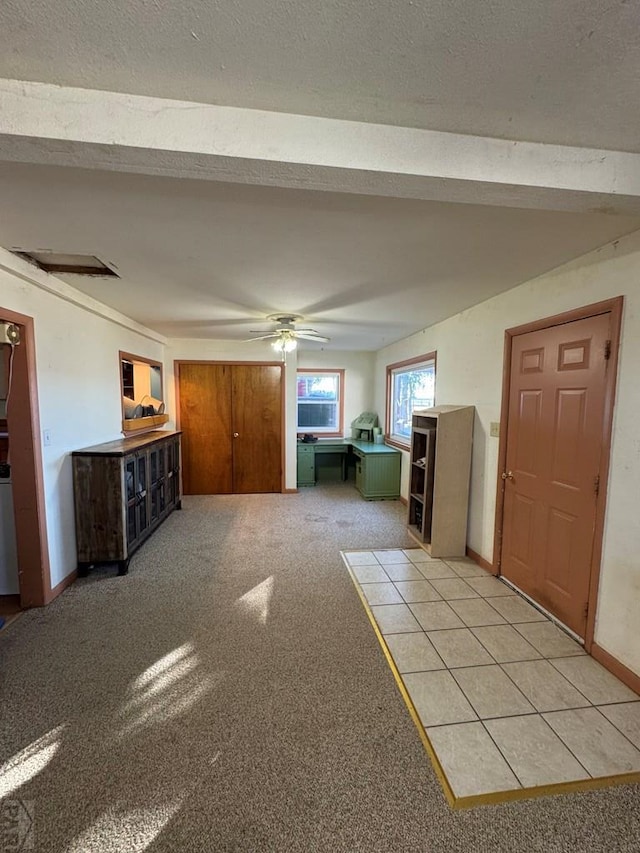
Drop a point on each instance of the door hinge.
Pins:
(596, 484)
(607, 350)
(586, 610)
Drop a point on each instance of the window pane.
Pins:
(317, 415)
(410, 389)
(319, 402)
(318, 388)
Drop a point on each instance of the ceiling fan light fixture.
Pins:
(284, 338)
(285, 343)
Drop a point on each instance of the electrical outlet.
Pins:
(46, 437)
(495, 429)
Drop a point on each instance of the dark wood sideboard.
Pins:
(123, 491)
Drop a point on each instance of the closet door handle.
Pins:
(236, 434)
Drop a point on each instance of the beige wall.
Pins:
(470, 356)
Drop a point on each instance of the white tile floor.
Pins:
(508, 700)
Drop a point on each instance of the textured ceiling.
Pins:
(561, 71)
(203, 259)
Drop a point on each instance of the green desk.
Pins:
(377, 465)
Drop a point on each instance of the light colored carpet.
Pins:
(229, 694)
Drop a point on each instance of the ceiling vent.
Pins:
(58, 262)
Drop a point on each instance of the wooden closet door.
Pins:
(257, 428)
(205, 419)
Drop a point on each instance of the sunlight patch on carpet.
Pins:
(168, 688)
(30, 761)
(133, 831)
(256, 602)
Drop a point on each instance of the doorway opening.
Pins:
(553, 466)
(23, 480)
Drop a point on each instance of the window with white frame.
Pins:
(320, 407)
(410, 385)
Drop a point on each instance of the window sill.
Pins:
(393, 442)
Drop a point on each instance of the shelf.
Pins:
(137, 424)
(439, 495)
(415, 531)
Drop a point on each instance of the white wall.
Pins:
(78, 374)
(470, 353)
(359, 372)
(358, 369)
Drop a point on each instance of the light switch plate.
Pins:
(495, 429)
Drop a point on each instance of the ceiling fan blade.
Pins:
(315, 337)
(261, 337)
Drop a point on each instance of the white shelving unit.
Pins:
(440, 459)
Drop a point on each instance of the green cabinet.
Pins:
(306, 465)
(377, 466)
(377, 471)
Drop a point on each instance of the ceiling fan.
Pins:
(285, 334)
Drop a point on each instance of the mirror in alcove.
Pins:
(142, 394)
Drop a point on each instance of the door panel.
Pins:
(216, 402)
(528, 435)
(561, 533)
(523, 531)
(569, 430)
(554, 446)
(257, 420)
(205, 419)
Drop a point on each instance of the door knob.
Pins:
(236, 434)
(507, 475)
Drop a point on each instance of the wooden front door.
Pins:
(231, 420)
(553, 460)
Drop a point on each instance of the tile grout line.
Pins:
(497, 745)
(535, 710)
(542, 660)
(593, 783)
(465, 666)
(561, 739)
(575, 686)
(595, 708)
(579, 654)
